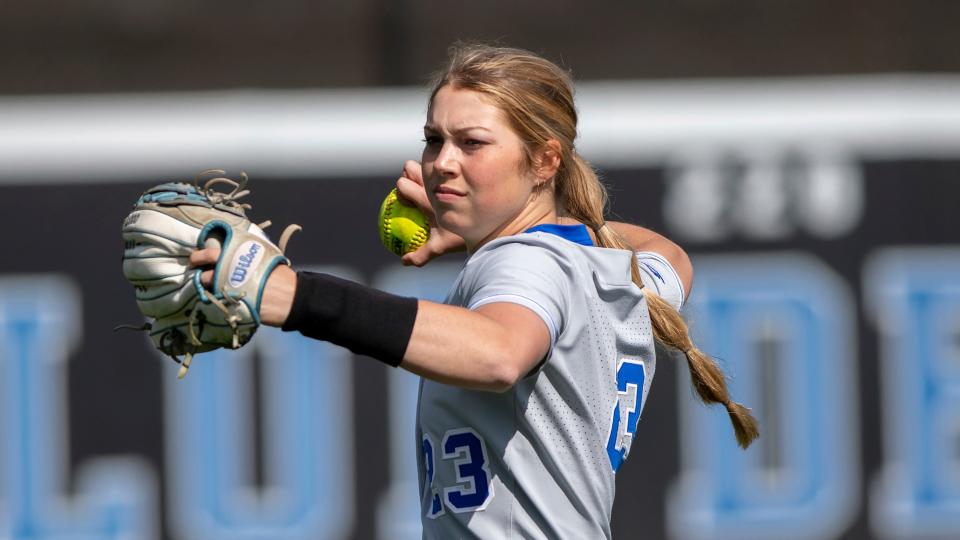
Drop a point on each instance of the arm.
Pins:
(642, 239)
(490, 348)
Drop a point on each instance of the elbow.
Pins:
(501, 373)
(503, 380)
(678, 256)
(501, 377)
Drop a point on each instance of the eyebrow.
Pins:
(428, 127)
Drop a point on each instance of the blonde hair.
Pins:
(536, 97)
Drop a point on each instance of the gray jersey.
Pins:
(539, 460)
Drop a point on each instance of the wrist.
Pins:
(365, 320)
(278, 295)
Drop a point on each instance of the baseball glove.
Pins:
(167, 223)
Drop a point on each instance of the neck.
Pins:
(540, 210)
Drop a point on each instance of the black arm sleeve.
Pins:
(365, 320)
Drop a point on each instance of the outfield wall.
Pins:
(821, 214)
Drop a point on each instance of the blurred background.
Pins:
(805, 153)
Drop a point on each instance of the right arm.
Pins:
(643, 239)
(488, 348)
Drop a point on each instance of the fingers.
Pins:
(419, 257)
(414, 194)
(204, 257)
(413, 171)
(415, 258)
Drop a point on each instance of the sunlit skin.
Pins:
(478, 188)
(411, 189)
(474, 173)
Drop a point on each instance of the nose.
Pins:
(448, 163)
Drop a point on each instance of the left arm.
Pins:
(441, 241)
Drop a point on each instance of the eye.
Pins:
(432, 140)
(474, 143)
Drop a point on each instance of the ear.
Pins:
(547, 161)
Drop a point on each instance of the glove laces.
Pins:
(230, 198)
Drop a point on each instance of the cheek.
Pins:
(499, 170)
(502, 193)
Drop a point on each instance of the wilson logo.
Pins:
(246, 258)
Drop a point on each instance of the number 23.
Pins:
(473, 490)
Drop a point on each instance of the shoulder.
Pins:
(536, 273)
(540, 251)
(538, 240)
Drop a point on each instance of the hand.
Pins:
(277, 298)
(412, 193)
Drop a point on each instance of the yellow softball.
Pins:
(402, 228)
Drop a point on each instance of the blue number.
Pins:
(630, 377)
(436, 507)
(307, 442)
(473, 474)
(398, 511)
(914, 297)
(40, 318)
(781, 325)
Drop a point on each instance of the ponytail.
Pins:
(706, 376)
(536, 96)
(585, 199)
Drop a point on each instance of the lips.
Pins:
(445, 190)
(447, 194)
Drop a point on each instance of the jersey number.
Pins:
(630, 376)
(469, 454)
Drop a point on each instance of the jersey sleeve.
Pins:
(658, 274)
(529, 275)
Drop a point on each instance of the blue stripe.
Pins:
(654, 270)
(575, 233)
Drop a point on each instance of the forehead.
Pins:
(459, 108)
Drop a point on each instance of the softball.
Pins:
(402, 228)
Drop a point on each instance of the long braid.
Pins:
(537, 98)
(585, 199)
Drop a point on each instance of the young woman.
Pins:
(536, 367)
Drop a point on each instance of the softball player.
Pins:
(536, 367)
(539, 459)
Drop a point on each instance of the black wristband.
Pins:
(365, 320)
